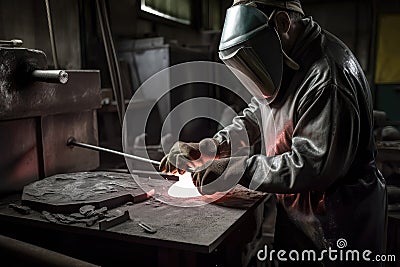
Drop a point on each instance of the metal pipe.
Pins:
(50, 76)
(114, 57)
(11, 43)
(72, 142)
(101, 13)
(51, 32)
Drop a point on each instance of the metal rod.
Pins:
(11, 43)
(72, 142)
(51, 32)
(50, 76)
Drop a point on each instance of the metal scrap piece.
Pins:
(77, 216)
(91, 221)
(147, 228)
(90, 216)
(113, 213)
(96, 212)
(84, 210)
(48, 216)
(113, 221)
(64, 219)
(21, 209)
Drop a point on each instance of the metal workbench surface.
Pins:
(197, 229)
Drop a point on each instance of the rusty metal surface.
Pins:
(37, 117)
(16, 64)
(19, 155)
(82, 92)
(56, 129)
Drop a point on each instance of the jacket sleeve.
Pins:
(242, 133)
(324, 144)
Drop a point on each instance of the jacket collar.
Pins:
(311, 32)
(304, 53)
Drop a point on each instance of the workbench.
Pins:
(215, 234)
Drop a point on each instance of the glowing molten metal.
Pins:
(184, 188)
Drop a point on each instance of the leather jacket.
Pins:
(322, 166)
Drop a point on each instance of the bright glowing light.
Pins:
(184, 188)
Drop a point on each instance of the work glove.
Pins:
(184, 156)
(220, 175)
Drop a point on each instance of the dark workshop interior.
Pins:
(68, 72)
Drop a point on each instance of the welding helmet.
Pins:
(252, 46)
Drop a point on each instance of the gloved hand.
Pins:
(176, 159)
(218, 171)
(189, 155)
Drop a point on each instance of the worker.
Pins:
(321, 166)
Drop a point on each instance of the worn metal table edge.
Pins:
(148, 240)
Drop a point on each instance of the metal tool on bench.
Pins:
(113, 221)
(73, 142)
(147, 228)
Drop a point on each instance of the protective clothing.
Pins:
(220, 170)
(183, 156)
(252, 46)
(179, 155)
(322, 164)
